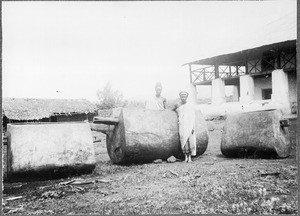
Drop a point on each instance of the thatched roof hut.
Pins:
(34, 109)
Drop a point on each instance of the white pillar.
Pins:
(192, 93)
(280, 90)
(235, 93)
(218, 92)
(246, 89)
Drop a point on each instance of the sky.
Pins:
(72, 49)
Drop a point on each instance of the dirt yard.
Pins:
(211, 184)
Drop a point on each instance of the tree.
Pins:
(109, 98)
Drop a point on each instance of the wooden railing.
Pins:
(272, 62)
(207, 73)
(204, 73)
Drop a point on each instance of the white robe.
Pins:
(186, 120)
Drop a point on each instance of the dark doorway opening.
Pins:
(266, 94)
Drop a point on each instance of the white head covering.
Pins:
(190, 90)
(158, 84)
(183, 93)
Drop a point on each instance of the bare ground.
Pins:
(211, 184)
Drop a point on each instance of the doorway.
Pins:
(266, 94)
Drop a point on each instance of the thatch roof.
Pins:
(34, 109)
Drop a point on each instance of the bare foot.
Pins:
(186, 159)
(189, 159)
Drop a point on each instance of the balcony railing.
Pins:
(282, 60)
(207, 73)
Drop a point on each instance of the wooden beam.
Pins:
(246, 64)
(101, 128)
(217, 75)
(278, 60)
(105, 120)
(190, 68)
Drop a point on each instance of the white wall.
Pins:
(259, 84)
(263, 83)
(205, 91)
(232, 90)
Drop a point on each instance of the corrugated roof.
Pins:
(34, 109)
(238, 58)
(279, 31)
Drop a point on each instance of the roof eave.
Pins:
(208, 61)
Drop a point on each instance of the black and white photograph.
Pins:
(149, 107)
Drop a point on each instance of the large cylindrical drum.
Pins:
(49, 149)
(265, 132)
(143, 135)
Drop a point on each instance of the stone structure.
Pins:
(140, 135)
(46, 149)
(218, 91)
(261, 131)
(265, 73)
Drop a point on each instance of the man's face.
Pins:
(183, 98)
(158, 91)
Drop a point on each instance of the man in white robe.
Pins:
(157, 102)
(186, 121)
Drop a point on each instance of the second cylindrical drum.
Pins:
(145, 135)
(264, 132)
